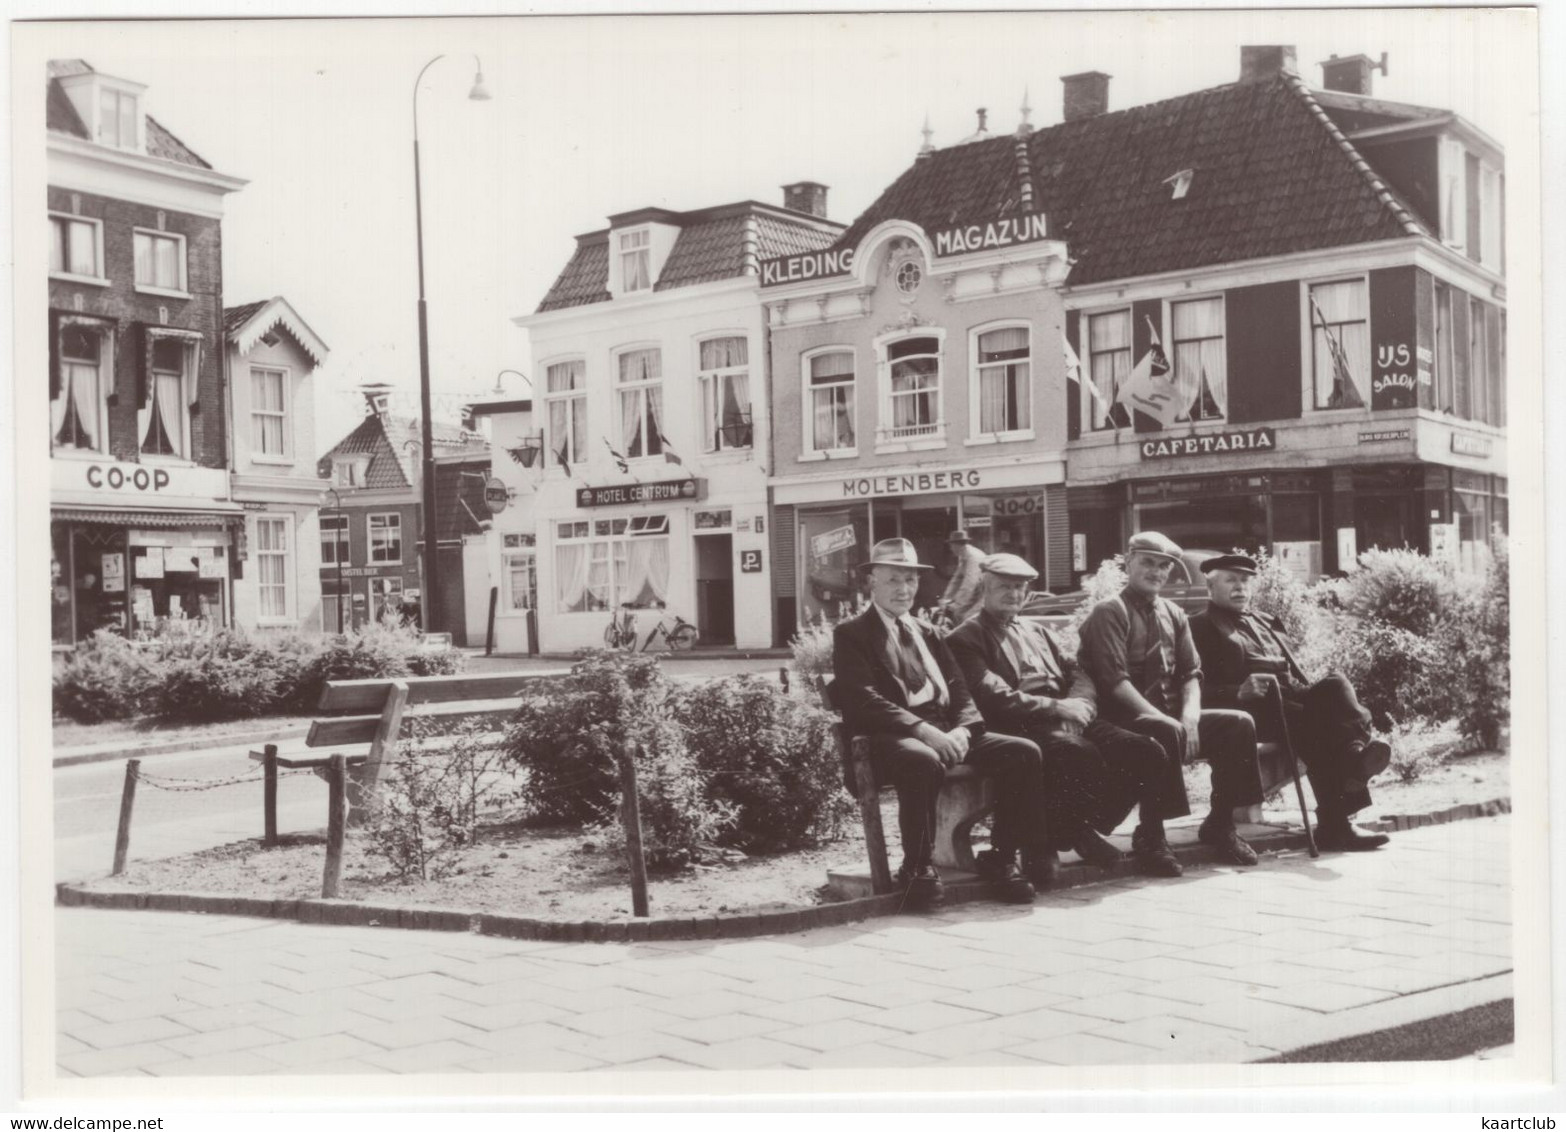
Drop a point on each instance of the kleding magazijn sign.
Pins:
(959, 239)
(1210, 444)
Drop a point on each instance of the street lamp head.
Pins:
(480, 92)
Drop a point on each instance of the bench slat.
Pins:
(370, 695)
(348, 729)
(290, 763)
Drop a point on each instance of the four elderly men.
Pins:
(1076, 746)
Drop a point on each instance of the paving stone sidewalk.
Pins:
(1224, 965)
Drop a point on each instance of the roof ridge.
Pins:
(1411, 226)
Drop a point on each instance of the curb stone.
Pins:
(736, 926)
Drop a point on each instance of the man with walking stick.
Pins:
(1249, 663)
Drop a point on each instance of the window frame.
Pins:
(644, 249)
(607, 547)
(370, 541)
(101, 279)
(285, 557)
(885, 440)
(975, 383)
(390, 585)
(808, 450)
(508, 606)
(1172, 350)
(120, 96)
(1308, 342)
(342, 544)
(1085, 356)
(106, 371)
(551, 464)
(154, 234)
(713, 439)
(190, 352)
(640, 387)
(285, 376)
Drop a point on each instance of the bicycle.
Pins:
(683, 636)
(620, 633)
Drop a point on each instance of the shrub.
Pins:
(812, 645)
(1390, 668)
(375, 651)
(568, 736)
(1400, 588)
(769, 755)
(1108, 581)
(1475, 640)
(223, 677)
(437, 662)
(106, 678)
(1419, 745)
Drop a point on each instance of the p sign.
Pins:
(750, 562)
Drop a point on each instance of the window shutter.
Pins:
(54, 355)
(1074, 389)
(144, 374)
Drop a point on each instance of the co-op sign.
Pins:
(956, 240)
(146, 481)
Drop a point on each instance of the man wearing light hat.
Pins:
(962, 594)
(1245, 654)
(1137, 647)
(896, 684)
(1094, 772)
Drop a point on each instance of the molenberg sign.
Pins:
(911, 483)
(1250, 440)
(955, 240)
(655, 492)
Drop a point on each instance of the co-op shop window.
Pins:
(606, 563)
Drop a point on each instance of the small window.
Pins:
(521, 583)
(272, 568)
(1004, 387)
(334, 540)
(73, 247)
(348, 473)
(386, 538)
(1340, 344)
(635, 261)
(117, 119)
(160, 261)
(565, 385)
(915, 388)
(78, 408)
(165, 419)
(641, 403)
(269, 412)
(725, 394)
(1109, 368)
(1200, 360)
(830, 423)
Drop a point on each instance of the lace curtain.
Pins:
(1109, 358)
(571, 568)
(646, 575)
(1200, 360)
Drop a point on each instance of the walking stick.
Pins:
(1294, 766)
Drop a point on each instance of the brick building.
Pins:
(142, 527)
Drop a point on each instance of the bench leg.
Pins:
(869, 796)
(962, 805)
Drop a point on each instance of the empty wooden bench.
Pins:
(371, 713)
(966, 798)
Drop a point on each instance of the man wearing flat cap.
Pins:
(1094, 772)
(962, 592)
(1245, 654)
(896, 684)
(1137, 647)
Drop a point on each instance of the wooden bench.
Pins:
(966, 798)
(373, 712)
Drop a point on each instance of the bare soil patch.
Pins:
(571, 875)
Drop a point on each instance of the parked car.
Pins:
(1186, 588)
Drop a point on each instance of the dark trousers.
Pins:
(1228, 743)
(1093, 780)
(916, 771)
(1325, 722)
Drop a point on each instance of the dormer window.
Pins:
(117, 115)
(635, 261)
(1180, 183)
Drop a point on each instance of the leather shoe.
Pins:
(1227, 840)
(1339, 836)
(1371, 758)
(1043, 866)
(1006, 880)
(921, 888)
(1151, 855)
(1096, 849)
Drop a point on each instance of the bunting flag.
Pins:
(669, 455)
(564, 463)
(1345, 394)
(625, 469)
(1074, 373)
(1148, 390)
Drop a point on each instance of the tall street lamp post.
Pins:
(479, 93)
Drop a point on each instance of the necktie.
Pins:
(914, 674)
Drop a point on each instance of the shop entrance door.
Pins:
(1384, 521)
(715, 588)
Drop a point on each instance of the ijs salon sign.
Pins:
(959, 239)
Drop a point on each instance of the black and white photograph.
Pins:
(779, 555)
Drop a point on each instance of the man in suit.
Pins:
(962, 592)
(1137, 647)
(1094, 772)
(896, 684)
(1245, 655)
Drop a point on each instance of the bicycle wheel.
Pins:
(684, 637)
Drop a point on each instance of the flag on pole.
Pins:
(1074, 373)
(1148, 390)
(1345, 394)
(669, 455)
(618, 458)
(564, 463)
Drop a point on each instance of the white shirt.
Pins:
(935, 687)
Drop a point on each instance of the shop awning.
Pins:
(176, 519)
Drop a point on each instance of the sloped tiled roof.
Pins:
(394, 446)
(714, 243)
(61, 117)
(1272, 175)
(235, 317)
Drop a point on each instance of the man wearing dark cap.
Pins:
(1245, 654)
(962, 592)
(1094, 772)
(896, 684)
(1137, 647)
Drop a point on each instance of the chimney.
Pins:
(1258, 63)
(1087, 94)
(806, 196)
(1351, 75)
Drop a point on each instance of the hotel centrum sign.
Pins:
(656, 491)
(956, 240)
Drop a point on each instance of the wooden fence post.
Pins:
(631, 814)
(783, 678)
(127, 803)
(269, 802)
(336, 823)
